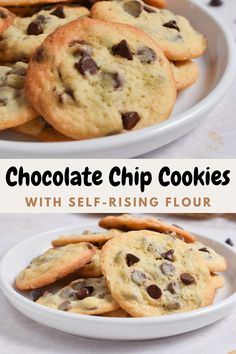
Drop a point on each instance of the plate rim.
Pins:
(11, 293)
(192, 114)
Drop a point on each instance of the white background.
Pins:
(215, 136)
(20, 335)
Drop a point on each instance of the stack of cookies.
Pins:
(138, 268)
(72, 72)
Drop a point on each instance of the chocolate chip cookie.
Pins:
(92, 78)
(54, 264)
(25, 34)
(174, 34)
(6, 19)
(128, 222)
(89, 296)
(14, 106)
(153, 275)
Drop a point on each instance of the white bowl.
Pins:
(217, 68)
(112, 328)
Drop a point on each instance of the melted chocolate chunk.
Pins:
(86, 64)
(187, 279)
(123, 50)
(3, 101)
(138, 277)
(134, 8)
(146, 55)
(34, 29)
(64, 306)
(204, 249)
(84, 292)
(167, 268)
(149, 9)
(215, 3)
(169, 255)
(130, 119)
(172, 24)
(39, 55)
(36, 294)
(3, 14)
(173, 287)
(58, 12)
(229, 242)
(154, 291)
(131, 259)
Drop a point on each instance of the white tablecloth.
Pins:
(20, 335)
(216, 134)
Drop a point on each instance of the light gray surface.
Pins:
(20, 335)
(215, 136)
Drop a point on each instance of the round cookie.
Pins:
(174, 34)
(14, 106)
(92, 269)
(6, 19)
(214, 261)
(218, 280)
(25, 34)
(54, 264)
(186, 73)
(153, 276)
(38, 128)
(128, 222)
(92, 78)
(87, 236)
(86, 296)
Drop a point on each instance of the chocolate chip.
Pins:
(3, 101)
(131, 259)
(173, 287)
(138, 277)
(86, 64)
(169, 255)
(172, 24)
(187, 279)
(146, 55)
(215, 3)
(173, 305)
(204, 249)
(149, 9)
(167, 268)
(3, 14)
(64, 306)
(58, 12)
(154, 291)
(36, 294)
(123, 50)
(134, 8)
(39, 55)
(82, 293)
(130, 119)
(229, 242)
(34, 29)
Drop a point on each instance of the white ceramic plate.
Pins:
(217, 68)
(112, 328)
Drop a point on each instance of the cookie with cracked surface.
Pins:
(127, 222)
(214, 261)
(89, 296)
(174, 34)
(14, 106)
(38, 128)
(100, 78)
(6, 19)
(186, 73)
(146, 281)
(93, 268)
(25, 34)
(86, 236)
(54, 264)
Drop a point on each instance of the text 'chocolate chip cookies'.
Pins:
(93, 78)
